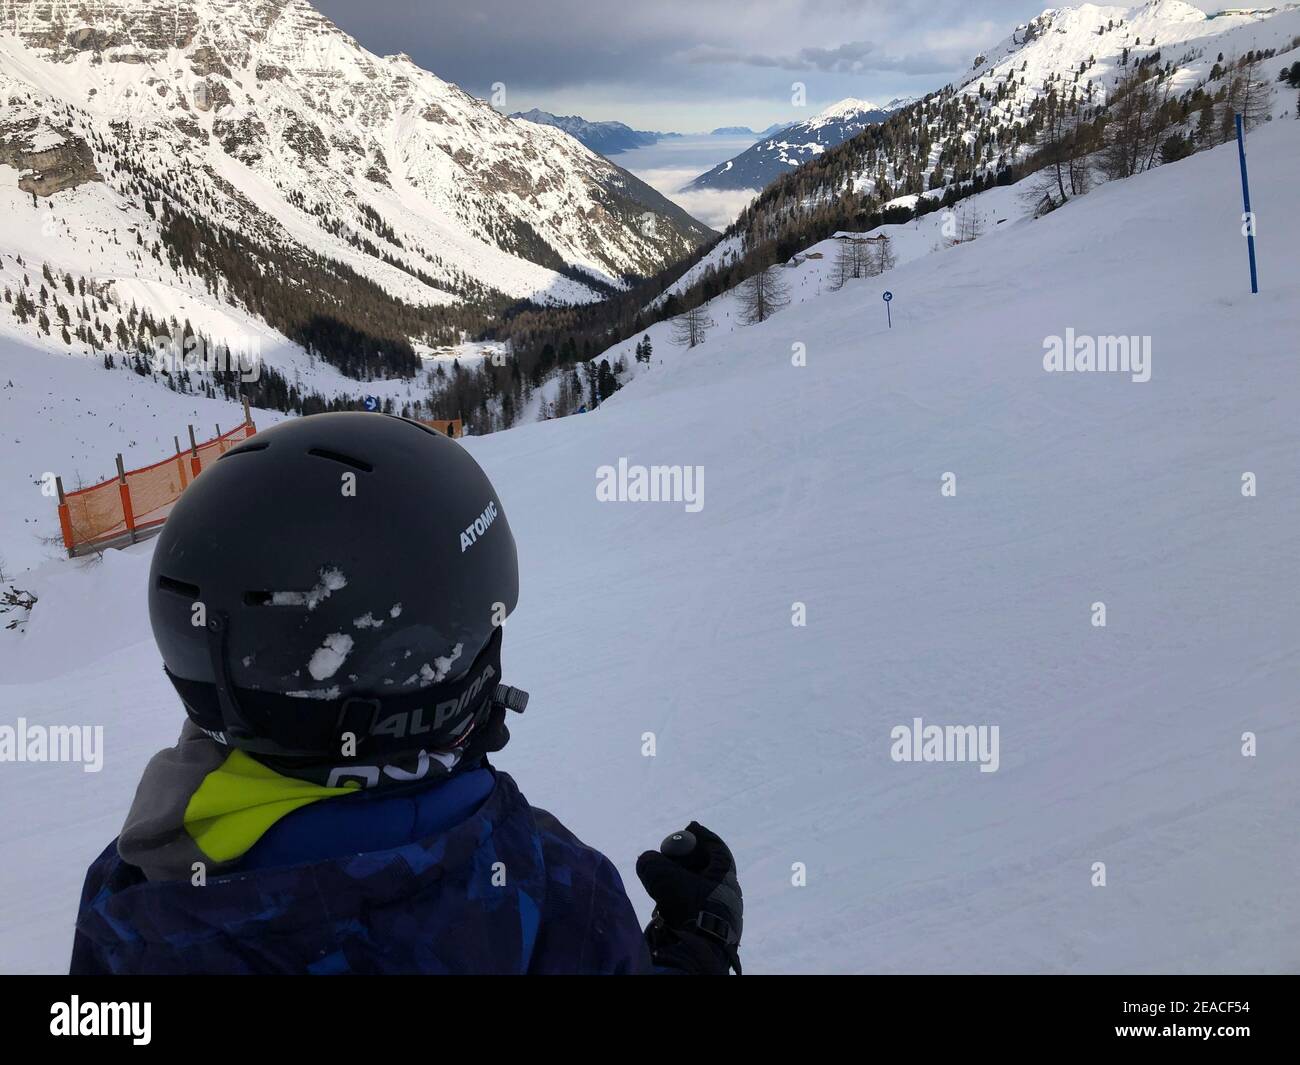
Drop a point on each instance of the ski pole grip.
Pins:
(681, 848)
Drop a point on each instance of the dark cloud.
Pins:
(678, 64)
(852, 57)
(534, 46)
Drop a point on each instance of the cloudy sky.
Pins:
(685, 65)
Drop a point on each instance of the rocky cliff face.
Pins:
(44, 167)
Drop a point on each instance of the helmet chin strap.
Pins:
(239, 730)
(236, 725)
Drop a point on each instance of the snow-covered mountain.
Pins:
(793, 144)
(991, 117)
(607, 138)
(125, 122)
(986, 119)
(1094, 45)
(994, 124)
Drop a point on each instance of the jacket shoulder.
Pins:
(588, 924)
(106, 873)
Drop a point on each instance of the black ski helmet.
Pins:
(337, 576)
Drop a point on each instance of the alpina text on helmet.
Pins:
(413, 722)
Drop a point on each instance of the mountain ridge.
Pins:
(606, 138)
(789, 146)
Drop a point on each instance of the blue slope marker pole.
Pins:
(888, 316)
(1245, 201)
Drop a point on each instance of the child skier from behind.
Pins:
(327, 599)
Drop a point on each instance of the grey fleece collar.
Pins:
(154, 837)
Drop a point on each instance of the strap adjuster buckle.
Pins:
(712, 925)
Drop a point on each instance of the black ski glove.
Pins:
(698, 905)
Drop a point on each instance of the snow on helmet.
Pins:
(335, 587)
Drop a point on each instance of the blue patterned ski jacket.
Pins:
(507, 890)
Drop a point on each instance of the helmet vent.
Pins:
(260, 445)
(170, 584)
(346, 460)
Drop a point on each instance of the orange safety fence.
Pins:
(119, 511)
(446, 426)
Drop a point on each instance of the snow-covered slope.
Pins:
(1062, 38)
(813, 270)
(266, 118)
(822, 487)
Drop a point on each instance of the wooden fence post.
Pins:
(248, 420)
(180, 462)
(195, 468)
(128, 515)
(65, 518)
